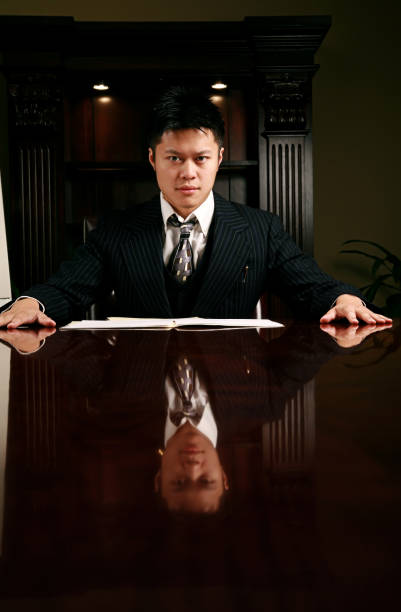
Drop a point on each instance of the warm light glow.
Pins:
(217, 100)
(101, 86)
(104, 99)
(219, 85)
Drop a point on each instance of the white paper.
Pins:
(137, 323)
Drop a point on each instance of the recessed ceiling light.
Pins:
(219, 85)
(101, 86)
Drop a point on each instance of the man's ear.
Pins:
(157, 482)
(152, 157)
(225, 481)
(221, 155)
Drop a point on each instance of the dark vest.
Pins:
(183, 298)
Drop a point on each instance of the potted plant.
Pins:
(385, 272)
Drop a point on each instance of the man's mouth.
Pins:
(188, 189)
(189, 450)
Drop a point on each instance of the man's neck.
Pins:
(185, 212)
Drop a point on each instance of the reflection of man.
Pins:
(188, 252)
(122, 382)
(191, 477)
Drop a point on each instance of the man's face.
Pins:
(191, 477)
(186, 163)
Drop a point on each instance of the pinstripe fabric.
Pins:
(251, 254)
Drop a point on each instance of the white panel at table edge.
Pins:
(5, 285)
(5, 357)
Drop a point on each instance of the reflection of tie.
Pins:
(181, 260)
(183, 377)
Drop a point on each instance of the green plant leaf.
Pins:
(371, 290)
(375, 267)
(393, 259)
(397, 272)
(375, 244)
(391, 262)
(375, 257)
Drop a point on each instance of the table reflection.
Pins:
(105, 491)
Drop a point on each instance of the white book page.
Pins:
(138, 323)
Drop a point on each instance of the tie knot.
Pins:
(185, 226)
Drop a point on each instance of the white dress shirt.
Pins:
(207, 424)
(204, 214)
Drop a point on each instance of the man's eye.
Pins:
(174, 158)
(201, 158)
(179, 482)
(208, 481)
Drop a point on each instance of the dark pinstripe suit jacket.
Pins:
(251, 253)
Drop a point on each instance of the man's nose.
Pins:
(188, 169)
(191, 464)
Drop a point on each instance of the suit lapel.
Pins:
(227, 259)
(143, 253)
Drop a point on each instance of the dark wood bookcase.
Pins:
(71, 152)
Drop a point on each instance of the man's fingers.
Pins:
(329, 316)
(4, 319)
(45, 320)
(371, 318)
(354, 314)
(351, 317)
(12, 320)
(380, 318)
(21, 319)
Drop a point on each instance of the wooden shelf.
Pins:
(76, 168)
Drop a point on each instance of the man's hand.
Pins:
(348, 336)
(350, 307)
(26, 340)
(25, 312)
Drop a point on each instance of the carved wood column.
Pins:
(285, 149)
(284, 66)
(35, 142)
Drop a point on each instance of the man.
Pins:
(189, 252)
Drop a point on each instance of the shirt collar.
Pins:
(204, 212)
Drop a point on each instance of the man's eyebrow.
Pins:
(207, 486)
(173, 151)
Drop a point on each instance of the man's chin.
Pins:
(186, 204)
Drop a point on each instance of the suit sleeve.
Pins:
(78, 283)
(297, 279)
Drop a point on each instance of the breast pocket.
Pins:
(244, 294)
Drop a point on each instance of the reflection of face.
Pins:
(191, 477)
(186, 163)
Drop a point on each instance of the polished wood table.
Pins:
(308, 434)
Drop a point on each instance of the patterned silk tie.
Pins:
(182, 374)
(181, 260)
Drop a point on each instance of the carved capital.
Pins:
(285, 98)
(37, 100)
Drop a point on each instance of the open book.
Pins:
(134, 323)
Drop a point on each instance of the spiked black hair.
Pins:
(182, 108)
